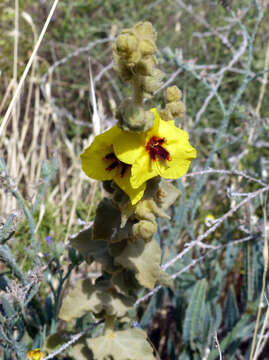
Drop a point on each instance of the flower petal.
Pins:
(93, 164)
(129, 146)
(171, 132)
(92, 158)
(179, 148)
(124, 183)
(142, 170)
(105, 138)
(182, 154)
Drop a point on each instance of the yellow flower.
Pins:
(163, 150)
(100, 162)
(35, 354)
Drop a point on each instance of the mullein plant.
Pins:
(132, 159)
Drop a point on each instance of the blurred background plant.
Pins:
(215, 247)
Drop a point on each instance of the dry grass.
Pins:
(32, 131)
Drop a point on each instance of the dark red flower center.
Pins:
(156, 150)
(115, 162)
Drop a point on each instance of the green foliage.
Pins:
(231, 309)
(194, 313)
(97, 299)
(129, 344)
(242, 328)
(23, 236)
(153, 306)
(8, 228)
(144, 259)
(12, 319)
(8, 259)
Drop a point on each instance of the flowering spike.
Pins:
(134, 59)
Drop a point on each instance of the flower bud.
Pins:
(144, 229)
(151, 84)
(126, 44)
(120, 66)
(146, 65)
(147, 47)
(173, 94)
(177, 109)
(133, 117)
(145, 30)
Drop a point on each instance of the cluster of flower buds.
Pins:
(135, 61)
(134, 52)
(174, 106)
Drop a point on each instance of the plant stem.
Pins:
(109, 324)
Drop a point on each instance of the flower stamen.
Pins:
(156, 150)
(116, 163)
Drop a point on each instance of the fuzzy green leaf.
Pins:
(129, 344)
(93, 249)
(171, 193)
(115, 249)
(86, 297)
(80, 351)
(81, 240)
(231, 309)
(194, 313)
(56, 340)
(125, 282)
(165, 279)
(103, 229)
(110, 229)
(8, 228)
(144, 259)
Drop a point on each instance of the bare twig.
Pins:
(225, 172)
(218, 345)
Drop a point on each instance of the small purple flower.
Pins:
(49, 240)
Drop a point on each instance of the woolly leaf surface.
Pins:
(165, 279)
(115, 249)
(93, 249)
(107, 219)
(80, 351)
(170, 194)
(144, 259)
(107, 223)
(86, 297)
(56, 340)
(129, 344)
(125, 282)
